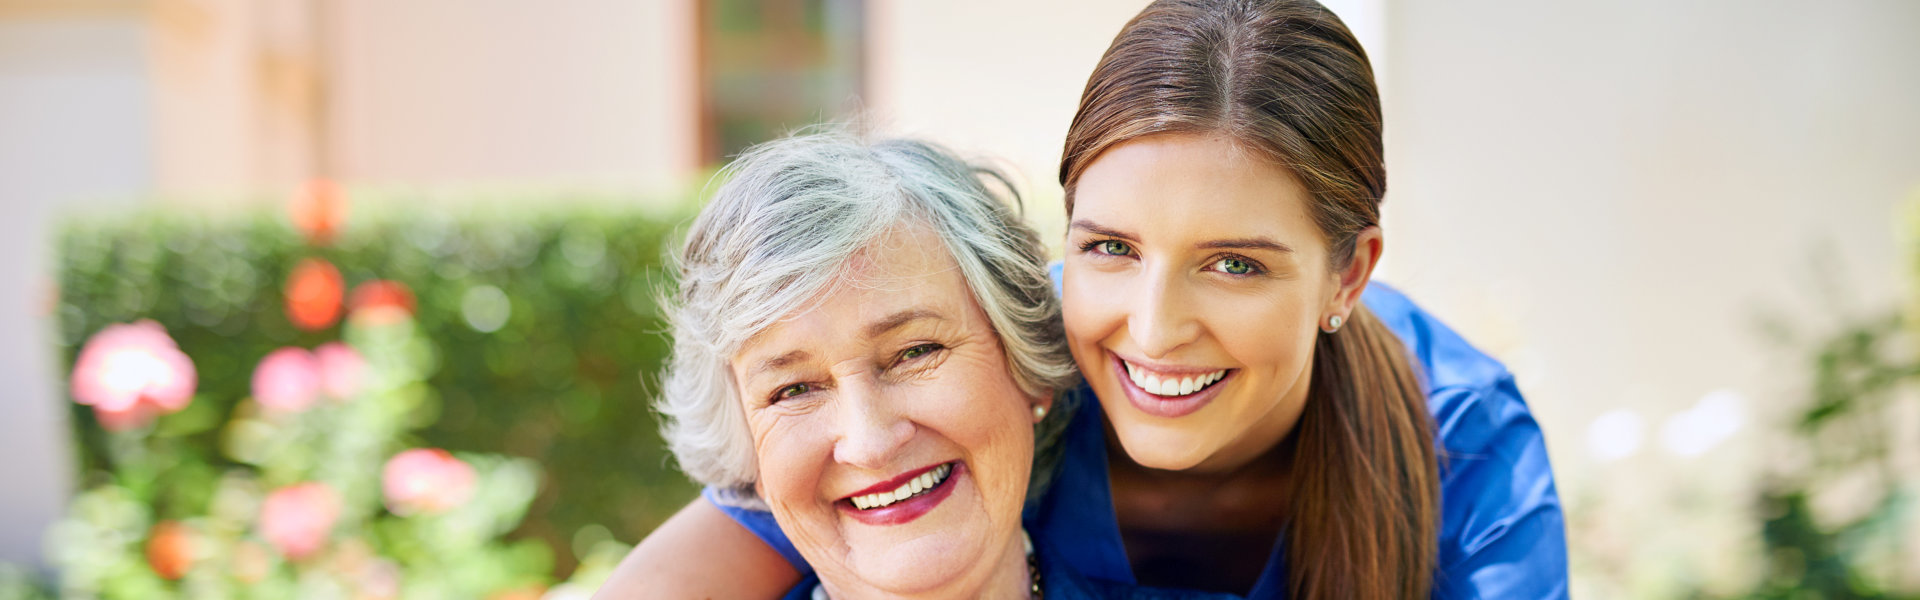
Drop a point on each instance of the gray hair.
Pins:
(779, 232)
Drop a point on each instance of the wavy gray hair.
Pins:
(780, 230)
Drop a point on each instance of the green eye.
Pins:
(793, 390)
(916, 352)
(1233, 266)
(1115, 247)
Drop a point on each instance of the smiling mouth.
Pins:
(1173, 386)
(921, 485)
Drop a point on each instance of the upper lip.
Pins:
(1166, 369)
(893, 483)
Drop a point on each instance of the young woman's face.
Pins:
(1195, 285)
(892, 440)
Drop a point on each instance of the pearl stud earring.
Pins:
(1333, 324)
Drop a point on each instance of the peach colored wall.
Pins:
(454, 91)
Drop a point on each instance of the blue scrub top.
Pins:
(1502, 534)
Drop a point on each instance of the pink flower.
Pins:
(342, 370)
(297, 519)
(287, 380)
(130, 373)
(426, 480)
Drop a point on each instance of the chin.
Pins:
(1158, 445)
(920, 565)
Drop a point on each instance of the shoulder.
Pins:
(1502, 529)
(1471, 396)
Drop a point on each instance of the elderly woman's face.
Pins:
(893, 444)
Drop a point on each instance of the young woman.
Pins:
(1288, 430)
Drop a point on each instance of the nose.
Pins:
(1162, 319)
(872, 431)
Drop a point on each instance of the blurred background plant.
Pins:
(416, 406)
(1836, 505)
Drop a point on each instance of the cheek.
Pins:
(1282, 341)
(983, 412)
(1087, 319)
(790, 459)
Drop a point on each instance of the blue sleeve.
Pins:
(1504, 535)
(762, 525)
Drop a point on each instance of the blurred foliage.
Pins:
(1837, 507)
(535, 337)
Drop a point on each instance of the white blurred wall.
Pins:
(73, 136)
(994, 78)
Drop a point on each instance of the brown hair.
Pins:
(1285, 79)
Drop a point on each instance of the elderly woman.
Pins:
(867, 345)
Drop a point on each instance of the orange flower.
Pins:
(313, 294)
(170, 549)
(381, 301)
(318, 211)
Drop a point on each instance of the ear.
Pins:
(1352, 280)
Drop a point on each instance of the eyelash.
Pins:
(1253, 266)
(805, 388)
(1089, 245)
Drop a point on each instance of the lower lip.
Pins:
(1162, 406)
(909, 509)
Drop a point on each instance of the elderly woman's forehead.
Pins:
(910, 254)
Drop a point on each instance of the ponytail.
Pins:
(1365, 509)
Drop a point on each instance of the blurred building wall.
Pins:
(454, 91)
(74, 135)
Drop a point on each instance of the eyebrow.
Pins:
(890, 323)
(778, 362)
(901, 319)
(1244, 243)
(1099, 229)
(1249, 243)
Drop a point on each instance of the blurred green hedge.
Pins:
(565, 379)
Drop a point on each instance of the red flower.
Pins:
(132, 373)
(313, 294)
(426, 480)
(170, 549)
(297, 519)
(318, 211)
(382, 301)
(287, 380)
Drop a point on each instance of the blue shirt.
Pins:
(1502, 533)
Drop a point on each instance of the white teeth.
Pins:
(911, 488)
(1172, 386)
